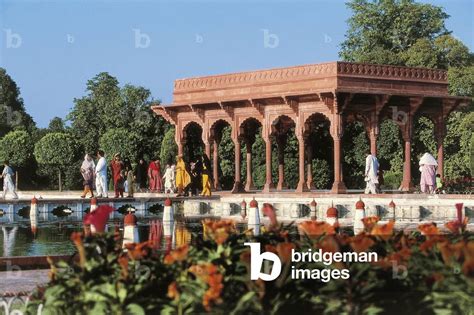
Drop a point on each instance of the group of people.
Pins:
(430, 181)
(183, 178)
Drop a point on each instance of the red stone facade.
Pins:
(294, 97)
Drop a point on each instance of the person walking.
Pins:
(8, 185)
(141, 175)
(427, 169)
(129, 176)
(182, 176)
(206, 176)
(371, 174)
(87, 171)
(154, 176)
(117, 169)
(101, 175)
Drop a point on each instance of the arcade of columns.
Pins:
(301, 97)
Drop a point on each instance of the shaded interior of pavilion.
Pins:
(247, 171)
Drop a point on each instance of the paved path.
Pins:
(22, 281)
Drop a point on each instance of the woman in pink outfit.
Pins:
(154, 174)
(428, 166)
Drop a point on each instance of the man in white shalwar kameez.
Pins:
(8, 185)
(101, 175)
(371, 174)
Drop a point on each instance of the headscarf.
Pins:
(88, 163)
(428, 159)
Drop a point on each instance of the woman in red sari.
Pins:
(154, 174)
(118, 175)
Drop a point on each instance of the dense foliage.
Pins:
(427, 273)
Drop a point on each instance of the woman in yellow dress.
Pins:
(206, 176)
(182, 176)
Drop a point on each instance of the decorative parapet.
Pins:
(392, 72)
(256, 77)
(306, 72)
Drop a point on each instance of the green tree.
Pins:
(107, 106)
(390, 27)
(119, 140)
(56, 151)
(168, 148)
(12, 110)
(226, 152)
(56, 125)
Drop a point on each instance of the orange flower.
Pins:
(450, 251)
(179, 254)
(137, 251)
(396, 258)
(370, 222)
(173, 292)
(76, 238)
(456, 226)
(209, 274)
(315, 228)
(383, 231)
(361, 243)
(219, 231)
(428, 229)
(328, 244)
(468, 268)
(284, 251)
(123, 262)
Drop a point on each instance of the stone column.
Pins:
(338, 185)
(268, 157)
(237, 184)
(407, 184)
(249, 182)
(309, 167)
(440, 135)
(373, 142)
(215, 165)
(302, 186)
(281, 143)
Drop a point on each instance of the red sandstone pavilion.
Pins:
(302, 97)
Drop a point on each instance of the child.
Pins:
(439, 184)
(168, 178)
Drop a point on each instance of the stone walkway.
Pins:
(20, 281)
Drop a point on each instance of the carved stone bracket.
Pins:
(347, 100)
(328, 100)
(258, 106)
(168, 114)
(200, 112)
(229, 110)
(292, 103)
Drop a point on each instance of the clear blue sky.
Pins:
(65, 43)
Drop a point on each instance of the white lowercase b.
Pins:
(256, 262)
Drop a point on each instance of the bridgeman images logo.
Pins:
(319, 261)
(256, 262)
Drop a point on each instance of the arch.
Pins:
(319, 151)
(192, 141)
(390, 153)
(221, 139)
(250, 133)
(423, 140)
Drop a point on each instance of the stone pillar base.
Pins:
(406, 186)
(302, 187)
(338, 188)
(267, 187)
(250, 186)
(238, 188)
(281, 186)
